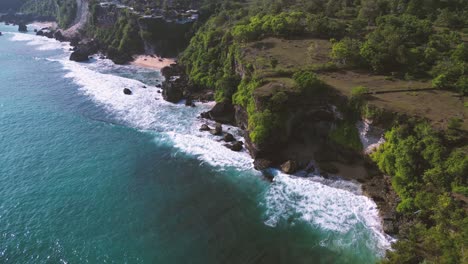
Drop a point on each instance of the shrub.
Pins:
(359, 91)
(308, 81)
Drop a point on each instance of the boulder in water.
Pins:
(127, 91)
(22, 27)
(40, 33)
(228, 137)
(289, 167)
(79, 56)
(222, 112)
(236, 146)
(205, 127)
(218, 130)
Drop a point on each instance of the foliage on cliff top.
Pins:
(427, 167)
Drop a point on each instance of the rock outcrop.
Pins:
(127, 91)
(22, 27)
(84, 50)
(222, 112)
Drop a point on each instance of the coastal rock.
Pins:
(289, 167)
(40, 33)
(262, 164)
(222, 112)
(228, 137)
(79, 56)
(189, 102)
(83, 51)
(22, 27)
(205, 127)
(172, 91)
(236, 146)
(127, 91)
(58, 36)
(218, 130)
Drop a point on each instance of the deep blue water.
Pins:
(89, 175)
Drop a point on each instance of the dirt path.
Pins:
(81, 17)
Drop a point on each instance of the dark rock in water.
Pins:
(102, 57)
(236, 146)
(222, 112)
(40, 33)
(205, 127)
(218, 130)
(144, 86)
(228, 137)
(268, 175)
(173, 91)
(35, 30)
(0, 33)
(79, 56)
(189, 102)
(58, 36)
(83, 51)
(158, 85)
(127, 91)
(22, 27)
(159, 91)
(289, 167)
(262, 164)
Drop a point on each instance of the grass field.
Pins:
(276, 59)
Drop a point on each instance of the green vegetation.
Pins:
(425, 171)
(346, 134)
(64, 10)
(122, 39)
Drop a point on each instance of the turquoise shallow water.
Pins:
(88, 175)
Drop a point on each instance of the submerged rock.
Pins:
(289, 167)
(127, 91)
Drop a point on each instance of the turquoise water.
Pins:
(89, 175)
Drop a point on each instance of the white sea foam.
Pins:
(145, 109)
(347, 213)
(39, 42)
(334, 205)
(371, 137)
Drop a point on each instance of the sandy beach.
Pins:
(40, 25)
(152, 62)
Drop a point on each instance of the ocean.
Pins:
(90, 175)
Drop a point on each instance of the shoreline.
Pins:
(152, 61)
(47, 24)
(157, 63)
